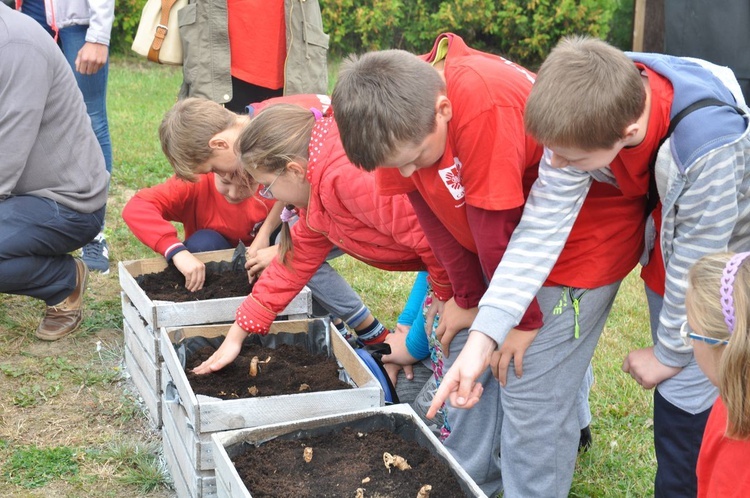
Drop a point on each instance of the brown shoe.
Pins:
(64, 318)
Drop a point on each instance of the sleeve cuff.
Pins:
(670, 357)
(174, 249)
(253, 317)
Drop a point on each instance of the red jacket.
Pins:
(197, 206)
(344, 210)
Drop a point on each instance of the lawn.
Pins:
(70, 424)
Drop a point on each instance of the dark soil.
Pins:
(291, 370)
(339, 464)
(169, 284)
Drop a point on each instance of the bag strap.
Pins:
(653, 192)
(161, 30)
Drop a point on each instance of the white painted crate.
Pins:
(399, 418)
(143, 317)
(190, 419)
(170, 314)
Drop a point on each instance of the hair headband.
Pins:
(288, 213)
(316, 112)
(727, 288)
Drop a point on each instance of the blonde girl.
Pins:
(718, 316)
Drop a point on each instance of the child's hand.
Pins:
(226, 353)
(399, 352)
(256, 245)
(646, 369)
(513, 348)
(260, 261)
(453, 320)
(460, 381)
(193, 269)
(399, 357)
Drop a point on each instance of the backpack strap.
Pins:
(653, 192)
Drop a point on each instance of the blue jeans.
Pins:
(36, 235)
(93, 87)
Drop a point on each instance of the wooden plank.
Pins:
(199, 483)
(150, 398)
(143, 331)
(352, 363)
(228, 481)
(639, 24)
(176, 385)
(197, 447)
(178, 480)
(150, 370)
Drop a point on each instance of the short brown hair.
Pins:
(383, 100)
(586, 94)
(186, 130)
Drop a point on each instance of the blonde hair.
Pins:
(586, 94)
(186, 130)
(382, 101)
(704, 301)
(278, 135)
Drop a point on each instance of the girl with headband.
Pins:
(718, 317)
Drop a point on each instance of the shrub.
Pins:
(523, 30)
(127, 16)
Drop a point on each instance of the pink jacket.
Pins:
(344, 210)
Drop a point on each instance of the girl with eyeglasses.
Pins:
(296, 156)
(718, 317)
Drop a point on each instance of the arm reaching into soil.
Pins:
(192, 268)
(226, 353)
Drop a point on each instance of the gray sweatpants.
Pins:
(523, 438)
(334, 294)
(540, 430)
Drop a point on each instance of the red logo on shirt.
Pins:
(452, 179)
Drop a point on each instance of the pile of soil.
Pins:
(169, 284)
(340, 462)
(291, 370)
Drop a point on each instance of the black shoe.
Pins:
(585, 442)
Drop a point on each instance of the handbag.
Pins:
(158, 35)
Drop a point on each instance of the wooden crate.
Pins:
(189, 419)
(399, 418)
(169, 314)
(143, 317)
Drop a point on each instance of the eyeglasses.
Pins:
(265, 191)
(687, 335)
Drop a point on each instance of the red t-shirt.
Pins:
(723, 470)
(197, 205)
(257, 41)
(489, 162)
(662, 94)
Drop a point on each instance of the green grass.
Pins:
(65, 405)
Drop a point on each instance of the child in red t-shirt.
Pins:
(718, 317)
